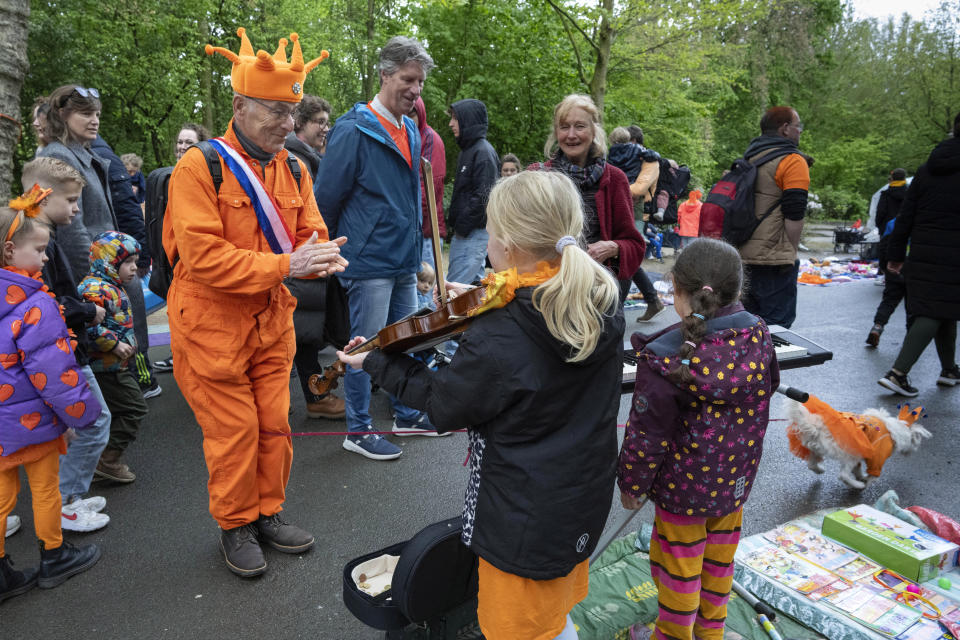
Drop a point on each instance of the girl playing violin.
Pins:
(536, 382)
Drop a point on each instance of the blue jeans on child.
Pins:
(78, 463)
(375, 303)
(467, 256)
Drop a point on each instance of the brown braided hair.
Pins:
(710, 273)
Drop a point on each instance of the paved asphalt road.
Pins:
(162, 574)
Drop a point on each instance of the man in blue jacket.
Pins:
(368, 189)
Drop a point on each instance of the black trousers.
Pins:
(643, 283)
(772, 292)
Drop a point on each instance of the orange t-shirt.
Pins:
(398, 134)
(510, 606)
(793, 173)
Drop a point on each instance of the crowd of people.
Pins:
(286, 235)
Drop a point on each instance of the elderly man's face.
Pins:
(400, 90)
(265, 122)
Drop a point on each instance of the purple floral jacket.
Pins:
(42, 392)
(694, 449)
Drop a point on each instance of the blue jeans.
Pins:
(374, 304)
(78, 463)
(467, 256)
(427, 254)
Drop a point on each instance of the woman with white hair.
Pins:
(577, 147)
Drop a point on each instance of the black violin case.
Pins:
(433, 590)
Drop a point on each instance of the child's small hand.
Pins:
(98, 315)
(123, 350)
(70, 434)
(356, 360)
(631, 502)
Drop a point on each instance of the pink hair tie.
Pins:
(708, 288)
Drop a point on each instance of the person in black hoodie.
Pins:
(478, 167)
(79, 513)
(893, 288)
(929, 222)
(536, 383)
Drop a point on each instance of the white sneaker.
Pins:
(82, 520)
(13, 525)
(96, 504)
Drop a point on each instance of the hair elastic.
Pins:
(699, 315)
(707, 288)
(564, 242)
(691, 343)
(685, 362)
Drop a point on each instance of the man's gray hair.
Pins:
(400, 50)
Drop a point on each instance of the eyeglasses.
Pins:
(279, 114)
(87, 92)
(323, 122)
(798, 126)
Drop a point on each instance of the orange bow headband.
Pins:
(27, 205)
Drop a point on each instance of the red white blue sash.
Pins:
(272, 226)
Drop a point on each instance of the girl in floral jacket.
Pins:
(695, 436)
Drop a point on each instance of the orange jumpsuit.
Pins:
(231, 326)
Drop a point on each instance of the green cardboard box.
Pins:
(914, 553)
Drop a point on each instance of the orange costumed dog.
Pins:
(818, 431)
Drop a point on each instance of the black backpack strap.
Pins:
(294, 165)
(213, 163)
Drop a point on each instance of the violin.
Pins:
(422, 329)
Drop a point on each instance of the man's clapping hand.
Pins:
(314, 258)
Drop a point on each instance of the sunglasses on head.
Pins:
(87, 92)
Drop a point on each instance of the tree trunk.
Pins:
(369, 66)
(14, 17)
(605, 35)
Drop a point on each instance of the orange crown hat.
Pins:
(268, 77)
(908, 416)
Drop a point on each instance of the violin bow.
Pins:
(437, 253)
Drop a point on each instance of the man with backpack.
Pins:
(758, 206)
(233, 243)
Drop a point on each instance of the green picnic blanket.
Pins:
(622, 593)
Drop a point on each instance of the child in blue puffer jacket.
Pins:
(695, 435)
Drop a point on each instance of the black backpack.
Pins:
(158, 183)
(728, 211)
(674, 181)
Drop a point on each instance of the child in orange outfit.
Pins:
(688, 217)
(42, 395)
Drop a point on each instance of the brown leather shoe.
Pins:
(652, 310)
(112, 468)
(329, 406)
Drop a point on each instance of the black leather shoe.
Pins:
(13, 582)
(56, 565)
(242, 551)
(284, 537)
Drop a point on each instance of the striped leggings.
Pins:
(691, 560)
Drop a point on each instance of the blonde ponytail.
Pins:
(532, 211)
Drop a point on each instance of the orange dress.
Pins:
(231, 326)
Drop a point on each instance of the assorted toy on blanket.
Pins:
(834, 271)
(818, 431)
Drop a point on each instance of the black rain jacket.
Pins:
(478, 168)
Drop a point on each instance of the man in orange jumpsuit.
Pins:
(231, 326)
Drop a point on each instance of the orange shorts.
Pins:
(515, 608)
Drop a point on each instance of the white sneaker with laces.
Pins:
(96, 504)
(82, 520)
(13, 525)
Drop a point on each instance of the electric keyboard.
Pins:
(793, 352)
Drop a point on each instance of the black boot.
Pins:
(56, 565)
(282, 536)
(242, 551)
(13, 582)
